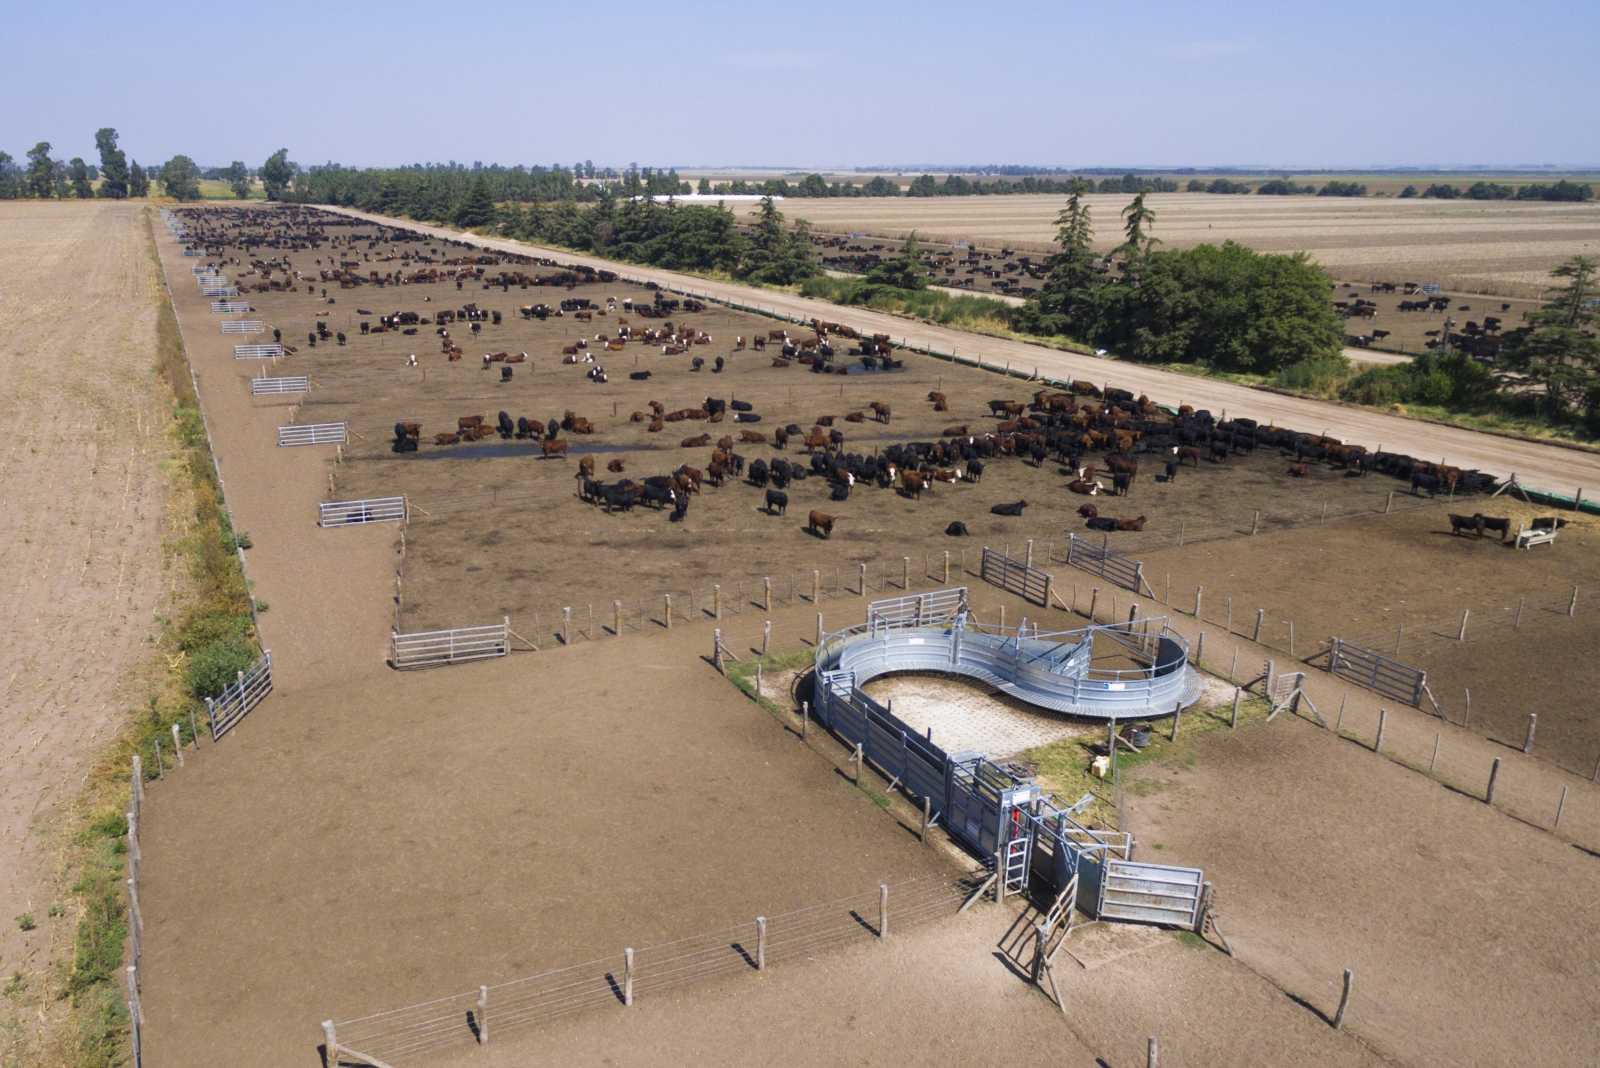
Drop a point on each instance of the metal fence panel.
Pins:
(1151, 893)
(435, 648)
(1106, 562)
(219, 291)
(257, 352)
(1385, 675)
(230, 307)
(354, 513)
(240, 696)
(1029, 583)
(243, 326)
(289, 384)
(313, 434)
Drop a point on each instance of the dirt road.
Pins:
(1546, 466)
(81, 530)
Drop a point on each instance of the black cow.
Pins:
(777, 502)
(1014, 508)
(974, 470)
(1547, 522)
(680, 508)
(1101, 522)
(1501, 524)
(957, 529)
(1121, 482)
(1420, 481)
(1172, 470)
(758, 473)
(742, 406)
(638, 376)
(1460, 524)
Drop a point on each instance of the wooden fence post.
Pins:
(861, 579)
(1572, 603)
(616, 618)
(1233, 720)
(1261, 615)
(1527, 741)
(1027, 559)
(1177, 714)
(905, 572)
(177, 745)
(330, 1041)
(761, 943)
(1494, 773)
(716, 649)
(716, 601)
(855, 764)
(819, 628)
(1094, 595)
(883, 910)
(1383, 721)
(1461, 635)
(927, 818)
(947, 567)
(627, 976)
(1228, 620)
(668, 597)
(766, 636)
(483, 1016)
(1344, 996)
(1200, 650)
(816, 585)
(766, 593)
(1152, 1053)
(566, 626)
(1199, 592)
(1255, 523)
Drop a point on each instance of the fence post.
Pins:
(947, 567)
(761, 943)
(1200, 650)
(758, 682)
(627, 976)
(1527, 741)
(861, 579)
(1344, 996)
(1049, 583)
(816, 586)
(483, 1015)
(883, 910)
(766, 636)
(616, 618)
(1199, 592)
(1516, 621)
(1383, 721)
(1233, 720)
(1572, 604)
(668, 598)
(766, 593)
(1261, 614)
(330, 1040)
(177, 745)
(1094, 595)
(1255, 523)
(905, 572)
(855, 764)
(805, 717)
(566, 626)
(716, 649)
(1494, 773)
(819, 628)
(1152, 1053)
(1027, 559)
(1177, 714)
(1461, 635)
(1228, 619)
(927, 818)
(1388, 505)
(1561, 803)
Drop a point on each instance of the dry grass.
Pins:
(1504, 248)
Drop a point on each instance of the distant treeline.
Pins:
(1563, 190)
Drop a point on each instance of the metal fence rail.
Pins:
(224, 711)
(257, 352)
(436, 648)
(243, 326)
(230, 307)
(1109, 564)
(1151, 893)
(219, 291)
(1387, 676)
(354, 513)
(313, 434)
(289, 384)
(1016, 576)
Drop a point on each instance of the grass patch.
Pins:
(1064, 768)
(929, 305)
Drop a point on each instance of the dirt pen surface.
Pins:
(80, 535)
(1398, 584)
(1470, 246)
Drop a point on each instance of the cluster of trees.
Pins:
(1278, 187)
(926, 185)
(432, 190)
(44, 176)
(1225, 307)
(1561, 191)
(696, 237)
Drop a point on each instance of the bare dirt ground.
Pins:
(1461, 926)
(1548, 466)
(81, 530)
(1399, 583)
(1475, 246)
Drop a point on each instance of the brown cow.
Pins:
(913, 483)
(696, 442)
(446, 439)
(1131, 524)
(466, 421)
(554, 447)
(880, 411)
(751, 437)
(655, 426)
(821, 524)
(585, 467)
(615, 466)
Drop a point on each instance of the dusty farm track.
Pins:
(1546, 466)
(81, 527)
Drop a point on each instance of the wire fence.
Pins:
(618, 979)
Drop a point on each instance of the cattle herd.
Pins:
(1102, 438)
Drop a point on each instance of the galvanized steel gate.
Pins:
(1108, 564)
(1387, 676)
(1017, 577)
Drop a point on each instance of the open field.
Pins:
(375, 839)
(81, 535)
(1491, 247)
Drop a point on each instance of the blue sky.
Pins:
(1137, 83)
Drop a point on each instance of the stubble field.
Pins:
(1500, 248)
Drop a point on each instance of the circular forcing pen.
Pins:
(1135, 670)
